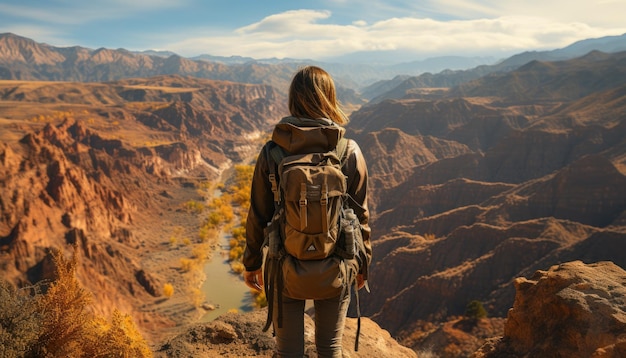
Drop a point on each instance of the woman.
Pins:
(314, 125)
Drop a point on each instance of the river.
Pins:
(222, 288)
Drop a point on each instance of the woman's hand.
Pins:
(360, 281)
(254, 279)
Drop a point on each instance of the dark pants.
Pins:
(330, 318)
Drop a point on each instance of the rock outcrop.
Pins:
(240, 335)
(459, 337)
(571, 310)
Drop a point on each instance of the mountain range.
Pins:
(477, 176)
(25, 59)
(449, 78)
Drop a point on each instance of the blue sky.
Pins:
(320, 30)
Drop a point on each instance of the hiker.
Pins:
(314, 126)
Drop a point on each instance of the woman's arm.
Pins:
(260, 213)
(355, 169)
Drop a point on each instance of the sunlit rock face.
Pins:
(571, 310)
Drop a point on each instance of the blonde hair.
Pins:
(312, 95)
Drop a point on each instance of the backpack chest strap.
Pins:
(324, 206)
(303, 205)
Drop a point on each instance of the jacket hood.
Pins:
(304, 135)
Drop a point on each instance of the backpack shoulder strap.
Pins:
(274, 154)
(342, 149)
(277, 153)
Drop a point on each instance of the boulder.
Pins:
(572, 310)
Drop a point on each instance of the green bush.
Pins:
(475, 310)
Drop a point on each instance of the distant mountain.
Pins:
(222, 59)
(156, 53)
(448, 78)
(22, 58)
(233, 60)
(443, 79)
(383, 86)
(608, 44)
(438, 64)
(25, 59)
(541, 81)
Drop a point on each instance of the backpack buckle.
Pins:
(272, 178)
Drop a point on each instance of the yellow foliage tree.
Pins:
(235, 253)
(66, 320)
(198, 297)
(168, 290)
(259, 298)
(187, 264)
(118, 338)
(68, 328)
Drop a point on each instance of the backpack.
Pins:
(315, 247)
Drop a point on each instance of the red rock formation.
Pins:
(541, 182)
(98, 183)
(571, 310)
(458, 337)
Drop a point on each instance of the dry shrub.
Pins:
(66, 322)
(198, 297)
(237, 267)
(60, 322)
(117, 338)
(168, 290)
(260, 300)
(187, 265)
(20, 317)
(201, 252)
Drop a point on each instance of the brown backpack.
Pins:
(314, 238)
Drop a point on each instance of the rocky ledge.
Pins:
(241, 335)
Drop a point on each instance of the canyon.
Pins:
(496, 179)
(83, 166)
(473, 187)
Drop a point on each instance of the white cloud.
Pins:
(596, 13)
(424, 28)
(301, 34)
(286, 23)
